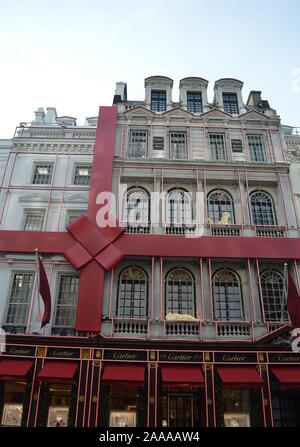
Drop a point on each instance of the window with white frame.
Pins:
(178, 207)
(256, 148)
(227, 294)
(194, 102)
(138, 144)
(230, 103)
(42, 173)
(217, 147)
(82, 174)
(220, 207)
(262, 208)
(158, 100)
(136, 206)
(272, 290)
(180, 293)
(178, 145)
(73, 215)
(19, 299)
(132, 293)
(33, 220)
(66, 301)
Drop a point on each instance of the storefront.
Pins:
(15, 385)
(94, 386)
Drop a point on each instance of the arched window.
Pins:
(228, 302)
(272, 296)
(262, 208)
(132, 293)
(179, 207)
(180, 293)
(136, 209)
(220, 207)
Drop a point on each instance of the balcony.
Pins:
(270, 231)
(180, 230)
(137, 150)
(138, 229)
(225, 230)
(130, 328)
(64, 332)
(182, 329)
(11, 329)
(234, 330)
(59, 132)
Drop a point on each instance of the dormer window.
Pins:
(194, 102)
(158, 100)
(230, 103)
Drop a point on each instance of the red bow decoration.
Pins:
(93, 243)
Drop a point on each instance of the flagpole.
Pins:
(35, 291)
(38, 278)
(285, 289)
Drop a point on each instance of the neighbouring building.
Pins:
(151, 324)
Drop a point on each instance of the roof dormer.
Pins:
(158, 93)
(228, 96)
(193, 94)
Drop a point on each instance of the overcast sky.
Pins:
(69, 53)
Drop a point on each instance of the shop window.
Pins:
(285, 405)
(13, 403)
(57, 404)
(126, 406)
(236, 407)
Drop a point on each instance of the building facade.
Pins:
(175, 316)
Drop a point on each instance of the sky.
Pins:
(69, 54)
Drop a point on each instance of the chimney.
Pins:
(39, 117)
(254, 98)
(51, 116)
(120, 92)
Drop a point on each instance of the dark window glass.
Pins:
(194, 102)
(230, 103)
(262, 209)
(180, 293)
(220, 206)
(132, 294)
(158, 100)
(227, 296)
(272, 296)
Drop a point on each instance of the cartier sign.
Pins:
(64, 353)
(166, 356)
(235, 357)
(26, 351)
(125, 355)
(284, 357)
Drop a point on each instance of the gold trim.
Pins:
(152, 355)
(208, 366)
(152, 364)
(261, 357)
(81, 398)
(41, 351)
(35, 396)
(209, 402)
(97, 364)
(266, 402)
(98, 354)
(94, 399)
(85, 353)
(152, 399)
(207, 356)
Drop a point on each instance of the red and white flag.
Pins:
(44, 291)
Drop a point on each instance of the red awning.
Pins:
(190, 376)
(239, 376)
(57, 372)
(287, 375)
(14, 369)
(135, 374)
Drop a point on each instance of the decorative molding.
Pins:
(54, 148)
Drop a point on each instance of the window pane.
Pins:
(42, 173)
(132, 294)
(82, 175)
(256, 148)
(33, 221)
(230, 103)
(227, 295)
(194, 102)
(158, 100)
(178, 145)
(67, 301)
(19, 301)
(217, 147)
(137, 147)
(180, 297)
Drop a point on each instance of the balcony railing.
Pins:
(270, 231)
(130, 328)
(180, 229)
(45, 132)
(225, 230)
(138, 229)
(11, 329)
(234, 330)
(179, 329)
(290, 130)
(64, 332)
(137, 150)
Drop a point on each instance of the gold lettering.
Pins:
(59, 353)
(234, 358)
(124, 356)
(288, 358)
(19, 351)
